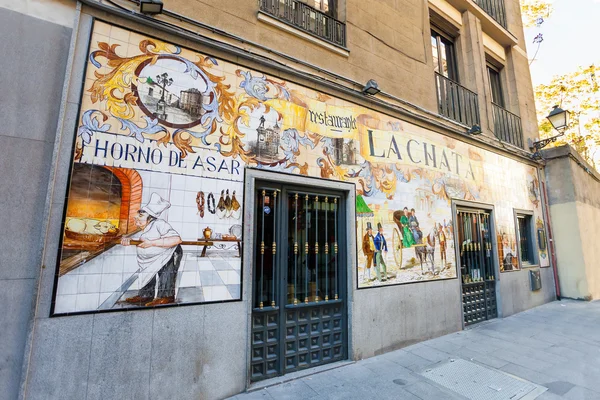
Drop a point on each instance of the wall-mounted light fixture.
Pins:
(151, 6)
(559, 119)
(474, 130)
(371, 88)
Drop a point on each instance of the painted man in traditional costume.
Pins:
(369, 249)
(413, 223)
(158, 255)
(380, 251)
(442, 239)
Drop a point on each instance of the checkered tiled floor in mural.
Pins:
(215, 277)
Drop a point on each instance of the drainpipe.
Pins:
(546, 210)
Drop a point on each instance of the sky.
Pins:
(571, 39)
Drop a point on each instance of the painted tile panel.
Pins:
(163, 139)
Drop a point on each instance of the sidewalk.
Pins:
(556, 346)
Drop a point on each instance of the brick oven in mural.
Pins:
(102, 206)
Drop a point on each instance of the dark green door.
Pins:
(477, 265)
(299, 317)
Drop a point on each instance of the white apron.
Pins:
(152, 259)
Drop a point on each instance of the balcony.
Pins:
(310, 20)
(495, 9)
(456, 102)
(507, 126)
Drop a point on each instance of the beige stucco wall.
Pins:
(574, 196)
(589, 220)
(570, 258)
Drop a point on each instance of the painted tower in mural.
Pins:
(344, 151)
(268, 140)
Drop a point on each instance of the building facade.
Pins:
(295, 220)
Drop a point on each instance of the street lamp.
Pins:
(163, 81)
(559, 119)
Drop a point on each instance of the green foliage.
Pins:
(531, 10)
(579, 93)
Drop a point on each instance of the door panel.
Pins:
(475, 236)
(299, 315)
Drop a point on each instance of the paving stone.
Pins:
(430, 354)
(549, 396)
(527, 374)
(444, 345)
(257, 395)
(559, 387)
(425, 390)
(407, 359)
(522, 360)
(580, 393)
(322, 383)
(292, 391)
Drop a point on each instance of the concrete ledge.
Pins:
(566, 151)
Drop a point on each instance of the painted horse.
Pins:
(426, 252)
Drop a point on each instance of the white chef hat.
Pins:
(156, 205)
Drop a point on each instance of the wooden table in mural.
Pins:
(206, 243)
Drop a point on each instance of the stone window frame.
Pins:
(452, 33)
(531, 237)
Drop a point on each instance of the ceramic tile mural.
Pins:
(156, 193)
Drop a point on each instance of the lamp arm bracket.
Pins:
(537, 145)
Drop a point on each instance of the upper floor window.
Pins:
(325, 6)
(316, 17)
(444, 57)
(495, 85)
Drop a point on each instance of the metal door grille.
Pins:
(477, 266)
(299, 314)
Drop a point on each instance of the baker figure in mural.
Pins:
(380, 251)
(158, 255)
(369, 250)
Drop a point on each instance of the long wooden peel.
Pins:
(209, 242)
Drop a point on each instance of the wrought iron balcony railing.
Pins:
(507, 126)
(456, 102)
(306, 18)
(495, 9)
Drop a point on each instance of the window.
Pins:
(495, 86)
(444, 59)
(525, 236)
(320, 18)
(150, 91)
(325, 6)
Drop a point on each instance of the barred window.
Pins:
(526, 245)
